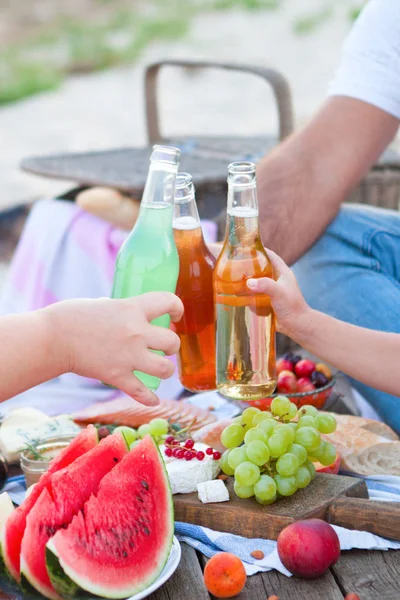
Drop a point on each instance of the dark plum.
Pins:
(288, 356)
(295, 359)
(319, 379)
(103, 432)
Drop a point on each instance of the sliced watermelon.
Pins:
(62, 498)
(119, 544)
(13, 531)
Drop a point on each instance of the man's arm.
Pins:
(303, 182)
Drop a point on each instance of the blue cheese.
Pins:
(24, 426)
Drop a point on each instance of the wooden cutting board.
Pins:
(337, 499)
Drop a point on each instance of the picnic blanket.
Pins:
(65, 253)
(210, 542)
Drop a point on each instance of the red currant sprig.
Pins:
(187, 451)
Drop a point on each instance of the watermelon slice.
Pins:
(12, 534)
(61, 499)
(119, 544)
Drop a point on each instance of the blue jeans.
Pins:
(353, 273)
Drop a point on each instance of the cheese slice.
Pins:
(212, 491)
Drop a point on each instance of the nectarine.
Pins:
(308, 548)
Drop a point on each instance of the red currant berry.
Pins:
(209, 451)
(200, 455)
(168, 451)
(180, 453)
(217, 455)
(189, 455)
(189, 444)
(175, 451)
(170, 439)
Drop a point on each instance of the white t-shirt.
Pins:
(370, 69)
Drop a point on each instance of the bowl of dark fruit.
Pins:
(302, 381)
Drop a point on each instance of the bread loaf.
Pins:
(110, 205)
(366, 447)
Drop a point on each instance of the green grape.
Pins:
(280, 406)
(261, 416)
(134, 444)
(265, 488)
(237, 456)
(308, 409)
(303, 477)
(329, 455)
(326, 423)
(298, 451)
(287, 432)
(256, 433)
(247, 473)
(268, 426)
(311, 468)
(266, 502)
(286, 486)
(292, 413)
(143, 430)
(307, 421)
(308, 437)
(238, 420)
(158, 427)
(224, 463)
(257, 452)
(293, 426)
(287, 464)
(130, 435)
(249, 414)
(243, 491)
(232, 436)
(316, 454)
(277, 445)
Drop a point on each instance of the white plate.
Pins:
(167, 572)
(222, 408)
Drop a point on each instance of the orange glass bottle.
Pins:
(196, 329)
(245, 322)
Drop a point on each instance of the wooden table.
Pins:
(372, 575)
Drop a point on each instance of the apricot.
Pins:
(224, 575)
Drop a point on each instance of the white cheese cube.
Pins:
(213, 491)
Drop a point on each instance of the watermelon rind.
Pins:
(73, 585)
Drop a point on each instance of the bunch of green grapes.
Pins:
(271, 455)
(158, 428)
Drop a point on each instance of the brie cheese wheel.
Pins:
(212, 491)
(184, 475)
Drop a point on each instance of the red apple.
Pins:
(304, 368)
(283, 365)
(287, 382)
(304, 384)
(308, 548)
(333, 469)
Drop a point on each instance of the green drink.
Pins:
(148, 260)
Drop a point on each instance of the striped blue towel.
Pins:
(209, 542)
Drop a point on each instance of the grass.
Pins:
(71, 46)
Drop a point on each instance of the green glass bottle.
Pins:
(148, 259)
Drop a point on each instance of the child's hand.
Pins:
(291, 310)
(109, 339)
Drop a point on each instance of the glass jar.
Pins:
(35, 463)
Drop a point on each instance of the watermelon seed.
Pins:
(147, 532)
(115, 459)
(144, 484)
(139, 498)
(125, 554)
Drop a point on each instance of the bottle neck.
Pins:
(242, 227)
(186, 215)
(160, 186)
